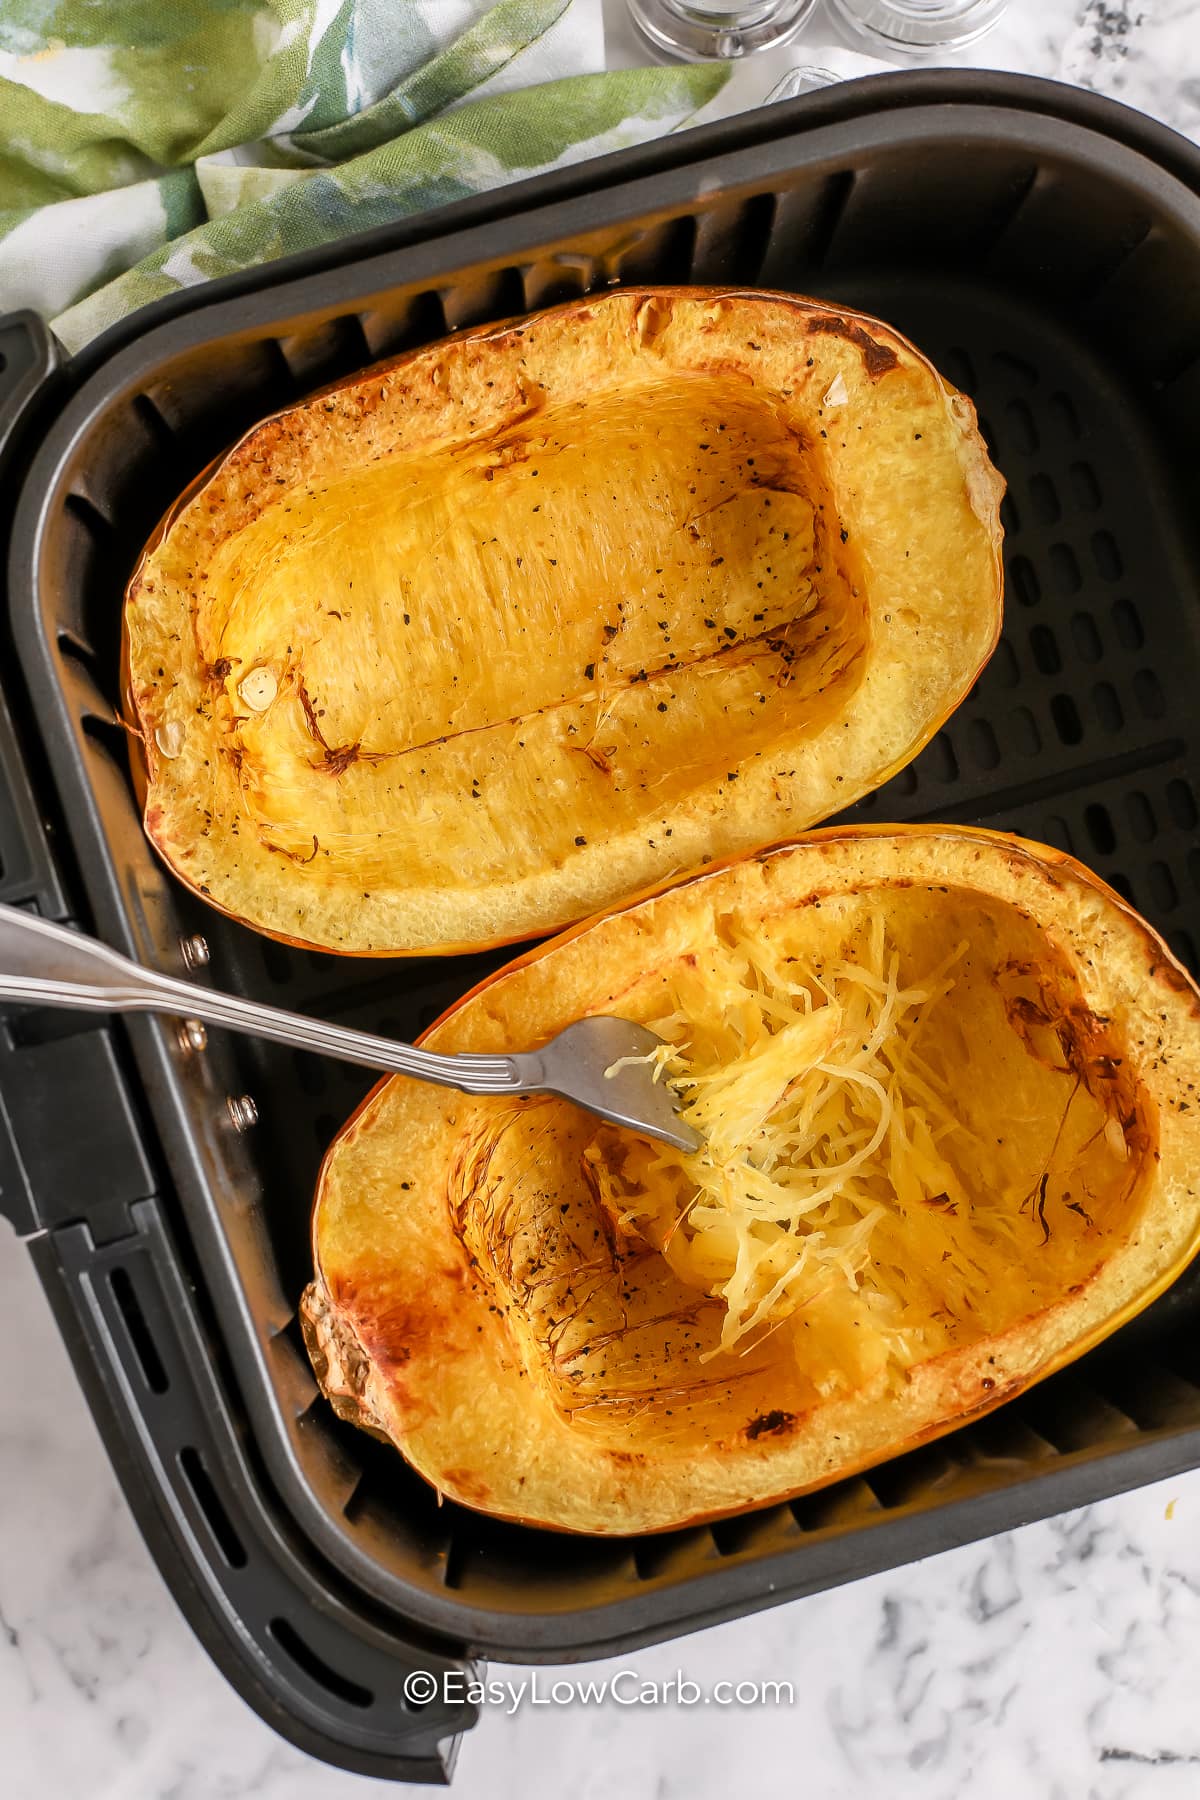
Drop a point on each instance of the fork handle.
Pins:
(43, 964)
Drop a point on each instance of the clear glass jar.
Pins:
(708, 31)
(805, 79)
(915, 28)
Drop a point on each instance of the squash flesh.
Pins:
(654, 594)
(527, 1332)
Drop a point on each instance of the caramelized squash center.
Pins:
(455, 662)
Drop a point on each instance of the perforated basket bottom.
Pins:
(1075, 732)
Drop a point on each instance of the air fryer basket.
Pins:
(1044, 248)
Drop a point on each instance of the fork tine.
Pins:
(579, 1065)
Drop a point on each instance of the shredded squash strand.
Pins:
(825, 1115)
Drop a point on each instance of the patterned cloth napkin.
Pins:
(149, 144)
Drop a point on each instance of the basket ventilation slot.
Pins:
(209, 1502)
(141, 1338)
(314, 1666)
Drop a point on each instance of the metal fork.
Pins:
(43, 964)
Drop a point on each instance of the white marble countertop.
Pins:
(1056, 1662)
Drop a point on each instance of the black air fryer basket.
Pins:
(1043, 246)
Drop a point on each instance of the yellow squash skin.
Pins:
(478, 642)
(453, 1237)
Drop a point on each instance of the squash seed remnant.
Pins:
(258, 689)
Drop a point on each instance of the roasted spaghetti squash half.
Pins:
(485, 639)
(946, 1081)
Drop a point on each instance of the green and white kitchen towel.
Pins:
(149, 144)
